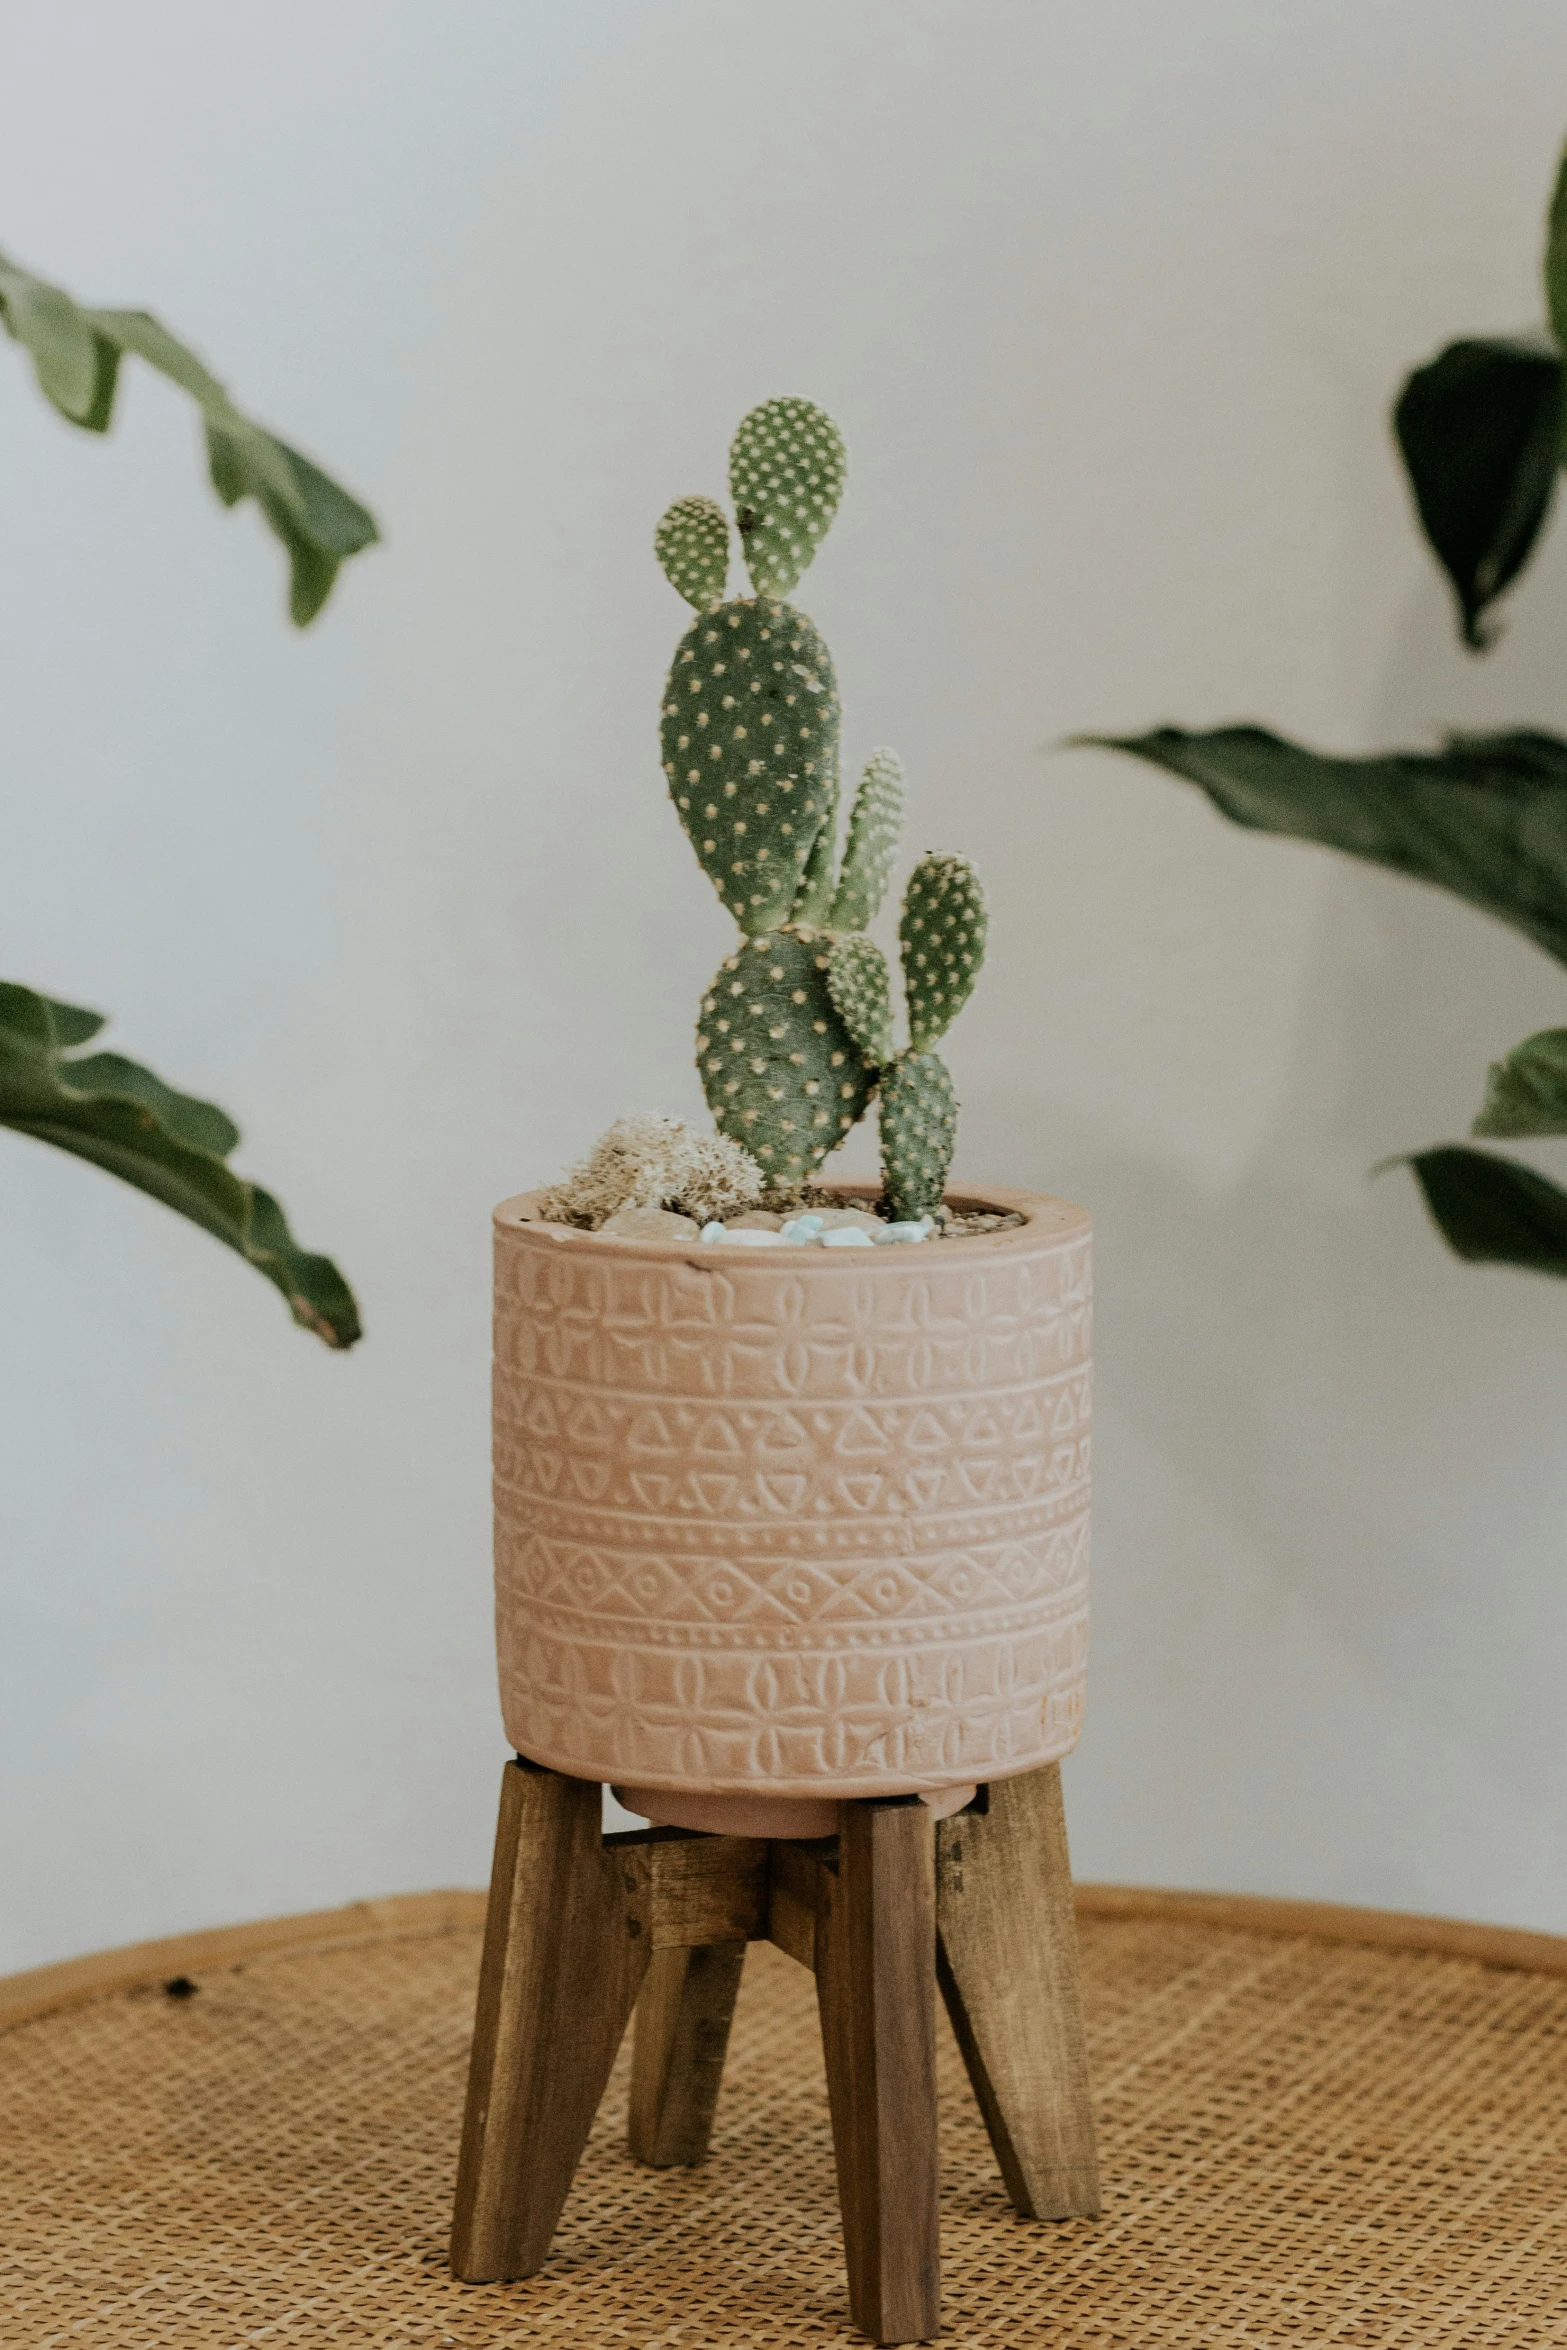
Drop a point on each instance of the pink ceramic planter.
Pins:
(777, 1527)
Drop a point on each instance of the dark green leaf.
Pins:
(72, 1024)
(1527, 1093)
(77, 353)
(1485, 817)
(102, 1107)
(1556, 256)
(1480, 428)
(1494, 1212)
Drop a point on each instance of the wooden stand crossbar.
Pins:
(582, 1927)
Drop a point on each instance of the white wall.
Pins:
(1110, 302)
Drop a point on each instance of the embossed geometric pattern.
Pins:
(801, 1527)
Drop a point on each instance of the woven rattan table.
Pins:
(1316, 2125)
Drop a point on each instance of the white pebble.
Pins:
(847, 1236)
(910, 1232)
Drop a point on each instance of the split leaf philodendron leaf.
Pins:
(749, 734)
(1485, 817)
(102, 1107)
(942, 935)
(861, 989)
(1493, 1211)
(787, 466)
(1527, 1092)
(692, 544)
(875, 825)
(76, 353)
(1480, 429)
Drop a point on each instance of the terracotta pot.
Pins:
(777, 1527)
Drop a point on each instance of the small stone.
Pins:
(843, 1219)
(649, 1224)
(754, 1220)
(746, 1239)
(847, 1236)
(910, 1232)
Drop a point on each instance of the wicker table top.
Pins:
(1316, 2126)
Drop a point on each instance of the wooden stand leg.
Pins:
(875, 1951)
(1007, 1965)
(565, 1951)
(683, 2018)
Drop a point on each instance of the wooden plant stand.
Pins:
(582, 1927)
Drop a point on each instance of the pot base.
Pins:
(794, 1819)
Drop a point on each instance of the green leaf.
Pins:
(1485, 817)
(1492, 1211)
(77, 353)
(1556, 256)
(101, 1107)
(1527, 1093)
(1480, 429)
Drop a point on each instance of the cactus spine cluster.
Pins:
(796, 1032)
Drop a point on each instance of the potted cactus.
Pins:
(791, 1481)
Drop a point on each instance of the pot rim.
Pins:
(1045, 1218)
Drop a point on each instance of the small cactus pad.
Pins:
(861, 988)
(919, 1124)
(782, 1075)
(750, 747)
(875, 822)
(942, 935)
(815, 893)
(692, 543)
(786, 472)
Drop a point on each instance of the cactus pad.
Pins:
(750, 747)
(786, 473)
(875, 822)
(919, 1124)
(816, 882)
(692, 543)
(861, 989)
(942, 935)
(781, 1072)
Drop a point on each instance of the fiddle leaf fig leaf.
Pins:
(76, 353)
(102, 1107)
(1527, 1092)
(1485, 817)
(1492, 1211)
(1480, 429)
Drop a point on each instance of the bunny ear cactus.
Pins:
(692, 543)
(796, 1030)
(787, 466)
